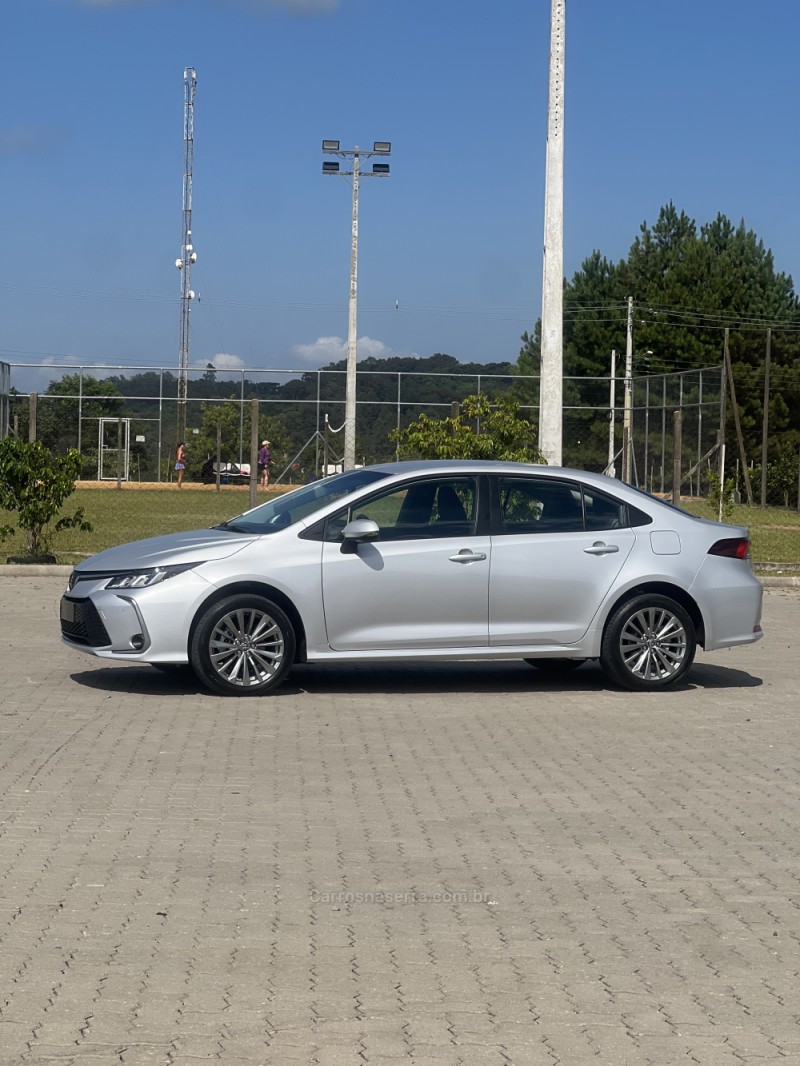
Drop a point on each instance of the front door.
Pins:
(423, 584)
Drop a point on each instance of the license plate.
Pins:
(67, 609)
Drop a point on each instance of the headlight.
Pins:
(147, 576)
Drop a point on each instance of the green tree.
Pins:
(437, 380)
(59, 409)
(483, 428)
(688, 284)
(528, 365)
(35, 484)
(782, 472)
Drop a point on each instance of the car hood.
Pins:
(193, 546)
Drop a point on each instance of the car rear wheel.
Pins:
(649, 643)
(243, 646)
(555, 666)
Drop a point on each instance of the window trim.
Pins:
(497, 516)
(319, 530)
(496, 523)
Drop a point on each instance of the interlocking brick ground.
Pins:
(450, 865)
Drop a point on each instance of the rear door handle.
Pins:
(599, 548)
(467, 556)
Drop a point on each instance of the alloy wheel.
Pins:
(246, 647)
(653, 644)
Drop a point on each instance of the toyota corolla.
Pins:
(426, 560)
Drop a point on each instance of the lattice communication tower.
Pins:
(188, 254)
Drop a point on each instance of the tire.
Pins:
(555, 666)
(649, 643)
(242, 646)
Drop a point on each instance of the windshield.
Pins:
(285, 510)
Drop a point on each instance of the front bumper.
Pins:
(150, 625)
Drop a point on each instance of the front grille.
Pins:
(85, 626)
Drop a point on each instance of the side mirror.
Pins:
(361, 529)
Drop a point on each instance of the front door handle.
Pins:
(467, 556)
(599, 548)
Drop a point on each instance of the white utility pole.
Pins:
(551, 371)
(627, 411)
(612, 422)
(379, 170)
(188, 255)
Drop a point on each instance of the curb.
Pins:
(34, 570)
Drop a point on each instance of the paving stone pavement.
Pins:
(454, 865)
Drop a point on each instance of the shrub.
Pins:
(35, 484)
(482, 429)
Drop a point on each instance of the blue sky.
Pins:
(693, 100)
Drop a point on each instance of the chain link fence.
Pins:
(124, 424)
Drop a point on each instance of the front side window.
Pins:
(435, 507)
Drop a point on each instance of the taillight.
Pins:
(731, 548)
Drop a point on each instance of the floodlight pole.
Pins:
(381, 148)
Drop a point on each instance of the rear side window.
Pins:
(539, 505)
(605, 512)
(547, 505)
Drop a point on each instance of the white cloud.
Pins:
(222, 361)
(332, 349)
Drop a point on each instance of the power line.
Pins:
(597, 314)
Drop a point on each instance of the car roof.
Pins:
(453, 466)
(644, 500)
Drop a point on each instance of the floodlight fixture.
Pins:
(330, 168)
(382, 147)
(330, 146)
(380, 169)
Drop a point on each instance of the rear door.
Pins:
(549, 573)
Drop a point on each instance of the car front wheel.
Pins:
(243, 646)
(649, 643)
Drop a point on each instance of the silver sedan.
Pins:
(426, 560)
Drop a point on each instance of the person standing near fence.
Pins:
(263, 463)
(180, 462)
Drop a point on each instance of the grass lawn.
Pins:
(774, 531)
(132, 514)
